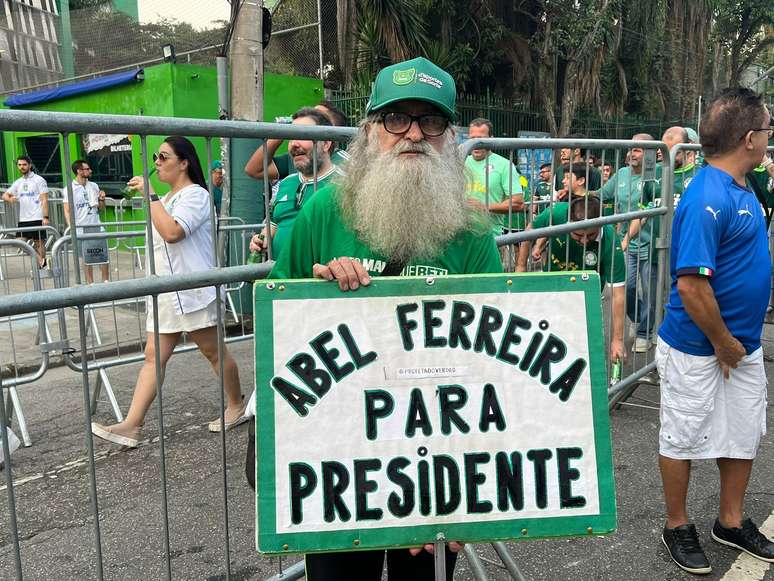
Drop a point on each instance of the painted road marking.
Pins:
(748, 568)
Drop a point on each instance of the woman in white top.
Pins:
(182, 243)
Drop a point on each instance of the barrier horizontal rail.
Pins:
(12, 120)
(82, 296)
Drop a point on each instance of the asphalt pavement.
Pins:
(57, 530)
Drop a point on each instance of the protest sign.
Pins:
(472, 407)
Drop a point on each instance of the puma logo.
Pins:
(713, 212)
(745, 211)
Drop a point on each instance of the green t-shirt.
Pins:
(626, 189)
(501, 171)
(284, 164)
(293, 193)
(593, 183)
(763, 183)
(604, 255)
(651, 230)
(321, 235)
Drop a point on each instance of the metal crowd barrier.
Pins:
(131, 290)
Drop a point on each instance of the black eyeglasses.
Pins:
(769, 130)
(399, 123)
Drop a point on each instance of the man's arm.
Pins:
(702, 306)
(101, 200)
(618, 312)
(254, 166)
(44, 206)
(502, 207)
(9, 197)
(66, 209)
(524, 249)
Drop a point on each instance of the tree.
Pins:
(740, 27)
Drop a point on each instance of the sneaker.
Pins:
(233, 417)
(117, 433)
(747, 538)
(683, 545)
(641, 345)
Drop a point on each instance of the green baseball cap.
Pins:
(417, 79)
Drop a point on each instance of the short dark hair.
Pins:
(481, 121)
(578, 136)
(335, 114)
(312, 113)
(578, 170)
(585, 208)
(24, 158)
(720, 123)
(78, 164)
(544, 165)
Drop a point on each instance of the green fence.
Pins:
(509, 118)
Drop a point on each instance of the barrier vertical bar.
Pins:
(157, 356)
(221, 339)
(9, 486)
(267, 202)
(84, 365)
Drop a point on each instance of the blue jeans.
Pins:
(641, 302)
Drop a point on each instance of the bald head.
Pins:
(675, 135)
(643, 137)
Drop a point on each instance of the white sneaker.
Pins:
(641, 345)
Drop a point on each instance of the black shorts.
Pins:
(31, 234)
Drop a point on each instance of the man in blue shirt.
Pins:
(713, 385)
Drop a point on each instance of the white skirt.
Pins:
(171, 322)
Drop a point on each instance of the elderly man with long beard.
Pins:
(400, 208)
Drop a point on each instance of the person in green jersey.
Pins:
(575, 156)
(299, 187)
(630, 194)
(281, 166)
(593, 248)
(402, 203)
(494, 184)
(575, 183)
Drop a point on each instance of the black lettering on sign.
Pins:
(511, 337)
(417, 416)
(303, 481)
(398, 506)
(539, 459)
(531, 351)
(303, 366)
(566, 475)
(360, 359)
(378, 405)
(424, 487)
(445, 471)
(490, 410)
(432, 322)
(553, 351)
(452, 398)
(462, 315)
(565, 383)
(510, 481)
(328, 356)
(335, 477)
(406, 325)
(363, 486)
(295, 396)
(473, 479)
(491, 320)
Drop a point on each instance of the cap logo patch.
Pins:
(404, 77)
(428, 80)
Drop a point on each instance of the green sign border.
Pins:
(269, 541)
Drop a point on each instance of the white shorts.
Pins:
(171, 322)
(703, 415)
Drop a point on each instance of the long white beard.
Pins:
(404, 207)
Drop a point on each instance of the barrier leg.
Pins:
(508, 561)
(92, 326)
(476, 566)
(440, 560)
(293, 572)
(232, 306)
(14, 404)
(104, 382)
